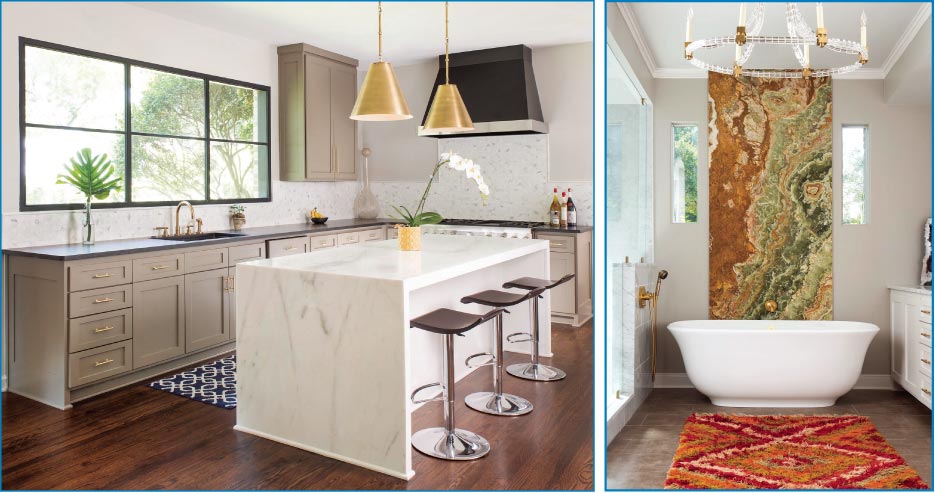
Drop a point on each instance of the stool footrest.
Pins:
(491, 361)
(412, 397)
(509, 338)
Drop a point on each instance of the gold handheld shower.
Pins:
(653, 298)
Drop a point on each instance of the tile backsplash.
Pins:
(515, 168)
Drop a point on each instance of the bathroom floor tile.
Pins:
(640, 456)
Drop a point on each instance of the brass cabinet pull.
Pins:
(103, 300)
(232, 283)
(103, 329)
(926, 361)
(289, 249)
(926, 391)
(102, 276)
(160, 267)
(554, 244)
(927, 312)
(102, 363)
(927, 336)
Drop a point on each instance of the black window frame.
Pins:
(128, 133)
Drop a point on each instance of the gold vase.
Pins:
(410, 238)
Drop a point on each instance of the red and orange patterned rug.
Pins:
(718, 451)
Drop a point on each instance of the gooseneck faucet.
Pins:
(178, 225)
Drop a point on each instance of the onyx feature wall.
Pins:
(866, 257)
(769, 149)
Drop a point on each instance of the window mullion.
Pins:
(127, 139)
(207, 142)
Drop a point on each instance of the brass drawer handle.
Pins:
(289, 249)
(927, 312)
(926, 391)
(101, 276)
(103, 329)
(102, 363)
(556, 244)
(927, 336)
(103, 300)
(160, 267)
(926, 361)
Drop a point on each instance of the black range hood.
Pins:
(498, 88)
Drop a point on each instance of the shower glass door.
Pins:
(629, 212)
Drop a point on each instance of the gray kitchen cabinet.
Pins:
(317, 91)
(158, 320)
(207, 309)
(570, 253)
(563, 297)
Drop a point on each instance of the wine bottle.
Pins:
(563, 216)
(572, 211)
(555, 210)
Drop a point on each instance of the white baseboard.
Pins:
(866, 381)
(6, 385)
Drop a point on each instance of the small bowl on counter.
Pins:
(318, 220)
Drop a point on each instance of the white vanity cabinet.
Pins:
(911, 340)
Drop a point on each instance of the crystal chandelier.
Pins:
(800, 38)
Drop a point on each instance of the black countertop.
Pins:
(77, 251)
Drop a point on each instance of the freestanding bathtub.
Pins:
(773, 363)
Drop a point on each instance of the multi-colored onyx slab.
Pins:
(769, 148)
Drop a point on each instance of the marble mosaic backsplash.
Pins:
(515, 167)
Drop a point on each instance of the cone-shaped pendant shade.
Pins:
(380, 97)
(447, 113)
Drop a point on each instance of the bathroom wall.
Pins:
(866, 257)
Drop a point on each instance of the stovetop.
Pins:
(495, 223)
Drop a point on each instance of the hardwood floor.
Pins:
(140, 438)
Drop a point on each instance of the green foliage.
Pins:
(93, 176)
(418, 219)
(686, 149)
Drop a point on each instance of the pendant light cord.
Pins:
(380, 30)
(446, 43)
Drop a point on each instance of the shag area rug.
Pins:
(718, 451)
(213, 383)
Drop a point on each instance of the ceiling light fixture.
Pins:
(380, 97)
(447, 113)
(800, 37)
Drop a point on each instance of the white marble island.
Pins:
(325, 356)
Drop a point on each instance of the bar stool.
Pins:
(534, 370)
(449, 442)
(497, 402)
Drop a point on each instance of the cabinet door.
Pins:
(319, 163)
(207, 309)
(898, 338)
(158, 320)
(291, 118)
(563, 297)
(344, 133)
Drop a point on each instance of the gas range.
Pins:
(483, 227)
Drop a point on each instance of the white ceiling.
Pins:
(890, 28)
(413, 32)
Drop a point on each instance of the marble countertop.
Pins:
(926, 290)
(77, 251)
(441, 258)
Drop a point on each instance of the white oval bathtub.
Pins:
(773, 363)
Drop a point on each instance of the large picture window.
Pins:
(172, 134)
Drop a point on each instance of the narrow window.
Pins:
(684, 173)
(856, 172)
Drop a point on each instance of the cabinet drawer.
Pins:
(372, 235)
(325, 241)
(145, 269)
(287, 246)
(925, 315)
(100, 300)
(925, 333)
(925, 391)
(246, 253)
(206, 260)
(81, 277)
(925, 360)
(348, 238)
(561, 244)
(96, 330)
(392, 233)
(95, 364)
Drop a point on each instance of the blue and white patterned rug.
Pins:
(213, 383)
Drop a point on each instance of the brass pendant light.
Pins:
(447, 113)
(380, 97)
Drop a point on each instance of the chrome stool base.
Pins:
(537, 372)
(500, 405)
(460, 445)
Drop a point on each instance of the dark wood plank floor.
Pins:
(140, 438)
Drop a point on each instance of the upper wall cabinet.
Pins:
(317, 138)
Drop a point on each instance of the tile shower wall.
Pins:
(632, 343)
(515, 168)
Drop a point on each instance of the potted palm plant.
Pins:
(410, 231)
(94, 177)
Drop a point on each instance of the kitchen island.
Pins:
(325, 356)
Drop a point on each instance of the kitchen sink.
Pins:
(199, 237)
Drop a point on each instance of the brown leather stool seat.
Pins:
(447, 321)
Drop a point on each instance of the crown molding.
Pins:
(912, 29)
(924, 12)
(630, 18)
